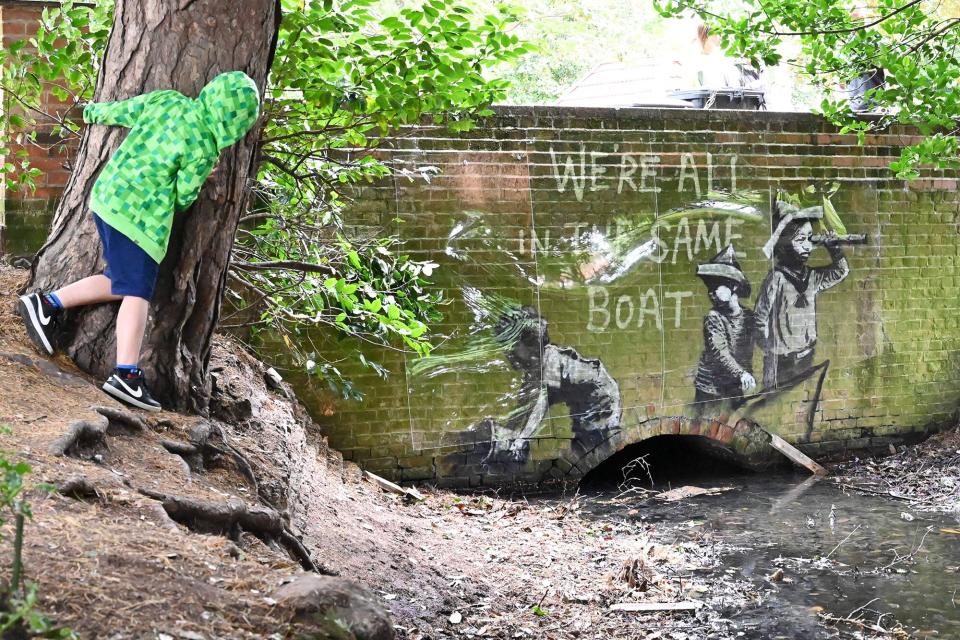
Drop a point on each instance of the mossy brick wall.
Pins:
(18, 21)
(510, 217)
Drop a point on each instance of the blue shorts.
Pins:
(131, 271)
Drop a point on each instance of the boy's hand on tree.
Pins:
(747, 381)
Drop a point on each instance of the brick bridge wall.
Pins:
(19, 20)
(595, 220)
(556, 209)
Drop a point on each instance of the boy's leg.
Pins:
(127, 382)
(131, 323)
(40, 311)
(87, 291)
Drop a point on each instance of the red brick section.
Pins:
(19, 21)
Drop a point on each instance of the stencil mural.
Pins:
(783, 324)
(552, 375)
(612, 277)
(725, 371)
(787, 306)
(595, 300)
(751, 355)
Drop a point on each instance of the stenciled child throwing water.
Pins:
(553, 375)
(725, 370)
(173, 145)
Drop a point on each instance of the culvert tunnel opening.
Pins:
(670, 460)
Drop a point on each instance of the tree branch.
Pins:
(288, 265)
(862, 27)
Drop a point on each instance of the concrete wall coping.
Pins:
(702, 118)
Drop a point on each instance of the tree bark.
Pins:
(181, 45)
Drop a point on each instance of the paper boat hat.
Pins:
(725, 265)
(783, 214)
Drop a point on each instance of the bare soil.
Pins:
(114, 565)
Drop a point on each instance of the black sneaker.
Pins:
(131, 388)
(41, 320)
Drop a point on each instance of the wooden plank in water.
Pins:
(795, 455)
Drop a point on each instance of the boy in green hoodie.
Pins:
(173, 145)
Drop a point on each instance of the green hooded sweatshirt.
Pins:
(173, 144)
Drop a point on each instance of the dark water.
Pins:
(784, 521)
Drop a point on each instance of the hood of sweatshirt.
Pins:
(231, 102)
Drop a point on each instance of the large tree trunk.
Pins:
(164, 44)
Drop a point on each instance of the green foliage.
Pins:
(570, 38)
(62, 59)
(344, 76)
(912, 41)
(23, 616)
(18, 600)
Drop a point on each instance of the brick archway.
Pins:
(746, 443)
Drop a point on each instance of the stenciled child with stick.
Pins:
(725, 370)
(173, 145)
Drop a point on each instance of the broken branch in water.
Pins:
(629, 468)
(645, 607)
(898, 559)
(841, 542)
(856, 619)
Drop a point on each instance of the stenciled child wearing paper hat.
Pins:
(173, 145)
(786, 311)
(725, 370)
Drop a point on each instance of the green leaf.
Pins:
(354, 259)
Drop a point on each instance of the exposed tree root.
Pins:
(233, 516)
(84, 439)
(122, 422)
(164, 423)
(261, 520)
(79, 488)
(299, 552)
(47, 367)
(87, 439)
(207, 449)
(161, 517)
(190, 454)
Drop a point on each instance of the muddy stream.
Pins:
(841, 554)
